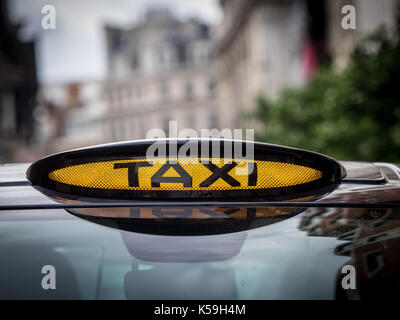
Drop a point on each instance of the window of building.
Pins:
(113, 132)
(135, 61)
(166, 125)
(190, 121)
(116, 41)
(189, 91)
(161, 55)
(7, 112)
(213, 121)
(181, 53)
(122, 131)
(164, 90)
(190, 55)
(109, 96)
(212, 86)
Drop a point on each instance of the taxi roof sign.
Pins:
(126, 171)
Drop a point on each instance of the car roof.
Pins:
(366, 184)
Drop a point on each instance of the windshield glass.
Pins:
(92, 261)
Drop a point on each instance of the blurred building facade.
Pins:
(264, 46)
(18, 88)
(164, 69)
(69, 116)
(159, 70)
(370, 15)
(258, 49)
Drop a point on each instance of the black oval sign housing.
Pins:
(331, 171)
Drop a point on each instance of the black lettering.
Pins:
(219, 173)
(252, 173)
(133, 169)
(184, 177)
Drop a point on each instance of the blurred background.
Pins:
(105, 71)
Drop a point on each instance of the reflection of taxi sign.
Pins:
(124, 171)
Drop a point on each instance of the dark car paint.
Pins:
(300, 256)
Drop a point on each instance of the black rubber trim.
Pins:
(202, 204)
(15, 184)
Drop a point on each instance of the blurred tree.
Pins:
(351, 115)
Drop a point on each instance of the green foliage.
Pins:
(351, 115)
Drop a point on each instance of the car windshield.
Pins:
(298, 257)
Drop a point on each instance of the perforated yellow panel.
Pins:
(110, 175)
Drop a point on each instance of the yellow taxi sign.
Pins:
(125, 170)
(185, 174)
